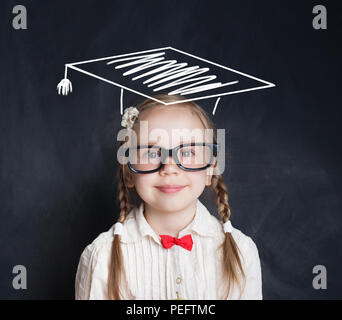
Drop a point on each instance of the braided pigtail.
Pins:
(230, 250)
(116, 270)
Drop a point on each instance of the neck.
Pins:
(169, 222)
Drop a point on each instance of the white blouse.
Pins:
(156, 273)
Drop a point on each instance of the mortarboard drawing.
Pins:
(165, 69)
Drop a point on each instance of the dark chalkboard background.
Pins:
(58, 163)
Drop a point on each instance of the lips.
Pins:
(170, 188)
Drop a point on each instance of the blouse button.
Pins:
(178, 280)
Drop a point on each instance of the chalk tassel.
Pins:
(64, 87)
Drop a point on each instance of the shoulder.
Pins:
(245, 243)
(243, 240)
(103, 242)
(247, 246)
(100, 246)
(210, 224)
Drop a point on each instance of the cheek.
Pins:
(144, 183)
(197, 179)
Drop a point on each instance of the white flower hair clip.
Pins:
(129, 116)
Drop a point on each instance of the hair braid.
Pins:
(116, 261)
(125, 204)
(230, 249)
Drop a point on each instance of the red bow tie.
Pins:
(185, 242)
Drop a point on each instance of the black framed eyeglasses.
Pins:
(193, 156)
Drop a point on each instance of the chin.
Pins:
(172, 204)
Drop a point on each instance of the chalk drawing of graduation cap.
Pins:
(170, 70)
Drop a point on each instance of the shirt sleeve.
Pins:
(83, 280)
(253, 287)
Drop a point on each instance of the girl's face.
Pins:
(175, 121)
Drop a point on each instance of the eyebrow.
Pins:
(151, 144)
(181, 142)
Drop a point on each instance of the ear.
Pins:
(209, 175)
(210, 172)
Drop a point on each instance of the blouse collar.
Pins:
(137, 227)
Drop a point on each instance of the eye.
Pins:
(153, 154)
(187, 153)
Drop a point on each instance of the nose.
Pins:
(170, 166)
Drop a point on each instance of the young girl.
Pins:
(169, 246)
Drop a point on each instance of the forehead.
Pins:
(168, 124)
(172, 117)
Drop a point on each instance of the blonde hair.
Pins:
(231, 262)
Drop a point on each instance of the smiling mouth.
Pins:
(170, 188)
